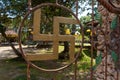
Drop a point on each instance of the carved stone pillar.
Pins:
(108, 45)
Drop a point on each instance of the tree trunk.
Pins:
(108, 47)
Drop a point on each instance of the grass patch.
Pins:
(85, 61)
(87, 52)
(18, 67)
(24, 77)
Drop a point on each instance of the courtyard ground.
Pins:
(13, 68)
(7, 52)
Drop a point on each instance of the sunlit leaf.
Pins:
(114, 23)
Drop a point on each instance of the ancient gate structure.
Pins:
(107, 60)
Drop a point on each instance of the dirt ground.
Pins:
(12, 68)
(6, 52)
(7, 68)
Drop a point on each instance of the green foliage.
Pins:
(68, 3)
(19, 7)
(98, 16)
(2, 29)
(114, 23)
(85, 61)
(11, 9)
(98, 60)
(5, 19)
(85, 19)
(14, 7)
(48, 12)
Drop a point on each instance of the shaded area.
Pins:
(15, 68)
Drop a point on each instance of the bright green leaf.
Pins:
(98, 60)
(114, 56)
(114, 23)
(98, 16)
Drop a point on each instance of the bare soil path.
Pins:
(11, 68)
(7, 52)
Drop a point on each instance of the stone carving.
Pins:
(55, 37)
(108, 41)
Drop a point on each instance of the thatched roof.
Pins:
(11, 33)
